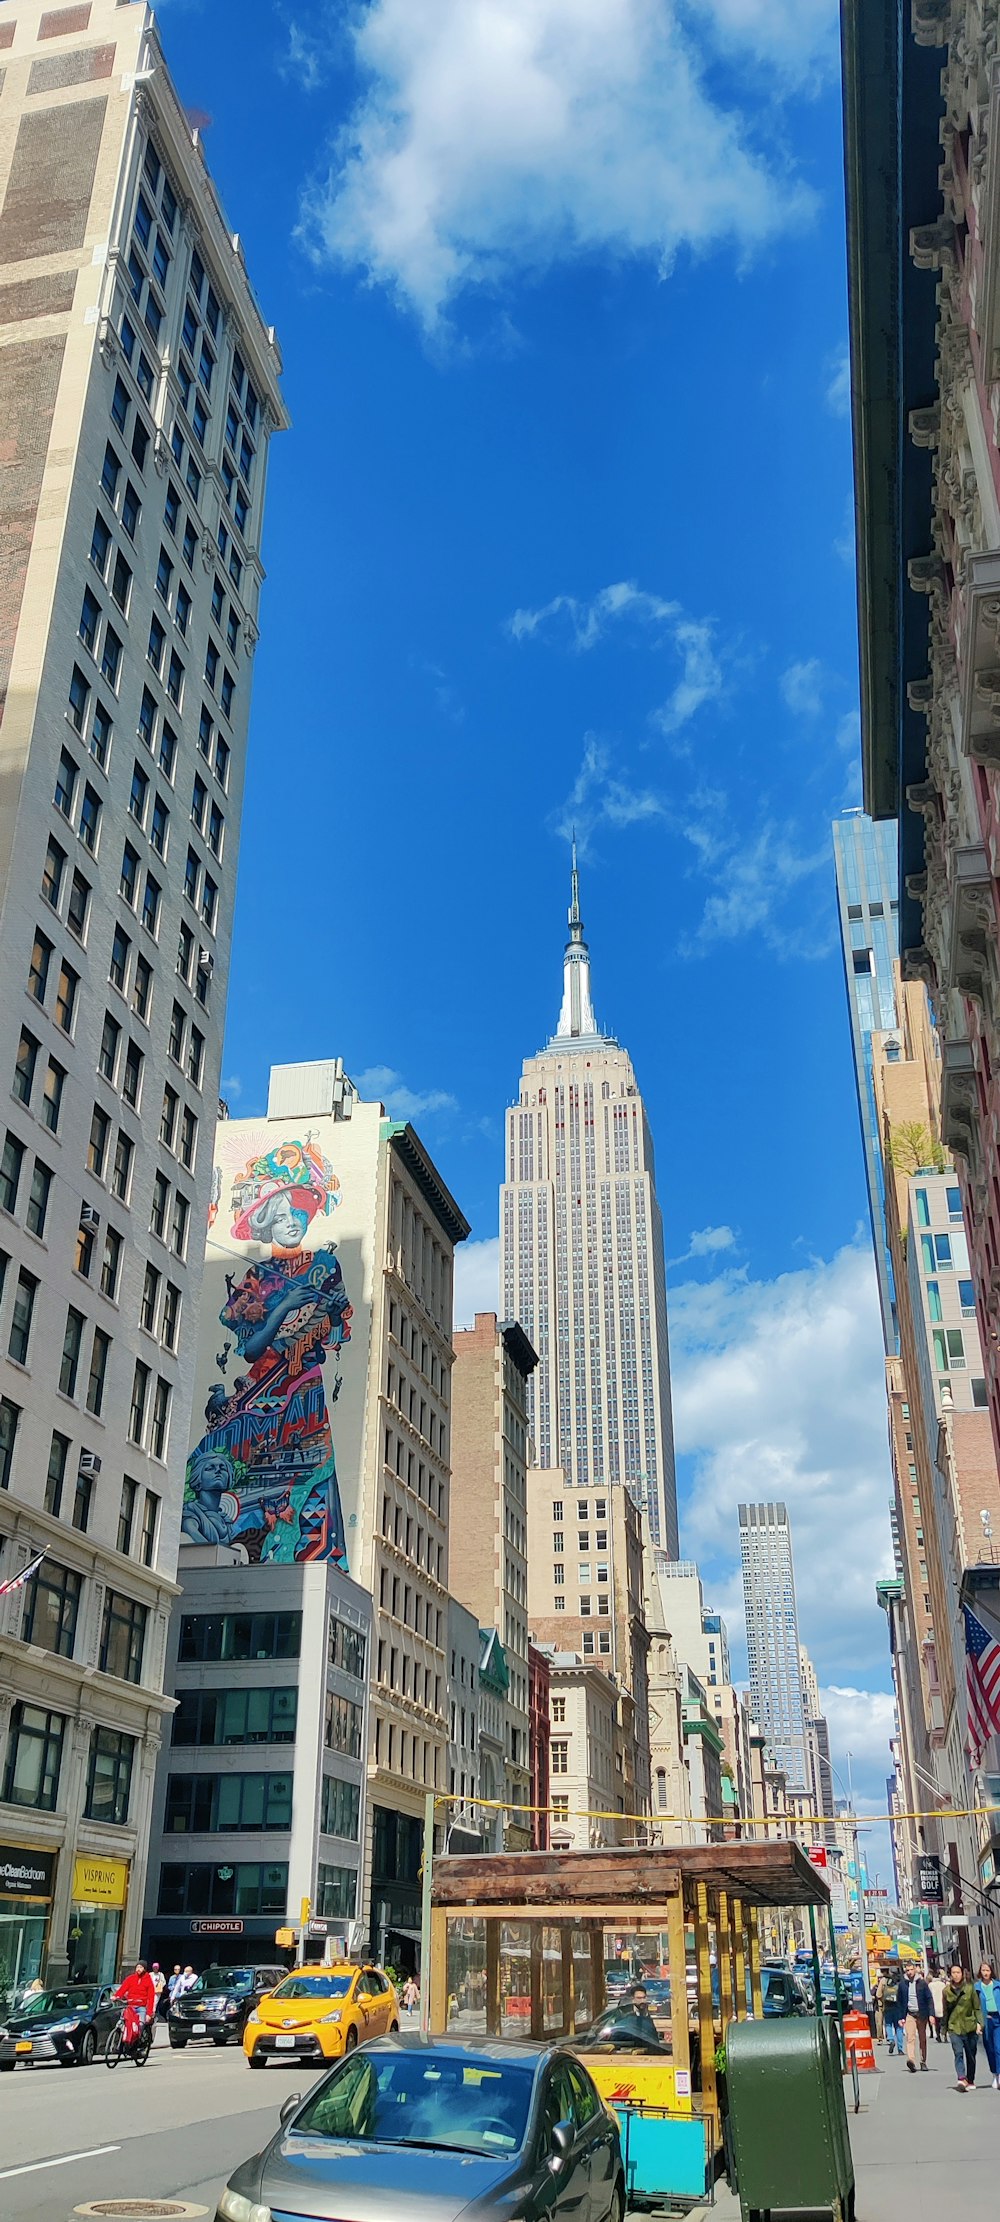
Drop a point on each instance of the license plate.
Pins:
(285, 2044)
(26, 2047)
(198, 2029)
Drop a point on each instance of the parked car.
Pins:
(71, 2024)
(782, 1992)
(318, 2013)
(445, 2127)
(217, 2005)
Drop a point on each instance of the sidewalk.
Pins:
(921, 2148)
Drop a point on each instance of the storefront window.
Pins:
(467, 1975)
(92, 1943)
(22, 1943)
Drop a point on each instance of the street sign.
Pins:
(930, 1886)
(954, 1921)
(818, 1855)
(216, 1928)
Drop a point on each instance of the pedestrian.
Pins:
(937, 1993)
(963, 2018)
(174, 1982)
(988, 1991)
(411, 1994)
(919, 2011)
(187, 1981)
(159, 1982)
(881, 1989)
(895, 2009)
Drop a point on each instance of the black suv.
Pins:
(217, 2005)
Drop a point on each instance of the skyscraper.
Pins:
(138, 393)
(865, 855)
(773, 1636)
(581, 1242)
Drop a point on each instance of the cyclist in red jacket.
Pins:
(139, 1995)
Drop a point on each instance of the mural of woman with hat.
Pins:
(265, 1473)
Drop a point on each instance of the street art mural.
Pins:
(264, 1475)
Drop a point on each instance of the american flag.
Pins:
(17, 1581)
(982, 1673)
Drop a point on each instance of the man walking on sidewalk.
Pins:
(919, 2011)
(963, 2016)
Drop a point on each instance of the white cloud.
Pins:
(232, 1088)
(383, 1085)
(845, 544)
(707, 1243)
(585, 623)
(495, 137)
(802, 687)
(862, 1722)
(599, 797)
(838, 388)
(477, 1279)
(303, 59)
(779, 1392)
(755, 873)
(797, 37)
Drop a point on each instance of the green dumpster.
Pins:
(787, 2117)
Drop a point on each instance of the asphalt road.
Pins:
(176, 2127)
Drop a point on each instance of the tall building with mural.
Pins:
(138, 395)
(581, 1250)
(324, 1385)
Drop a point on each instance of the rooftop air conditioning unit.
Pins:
(90, 1462)
(89, 1217)
(206, 962)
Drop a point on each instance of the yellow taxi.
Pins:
(319, 2013)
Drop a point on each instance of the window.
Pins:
(90, 618)
(65, 1004)
(90, 819)
(84, 1251)
(182, 610)
(211, 662)
(244, 1889)
(111, 657)
(151, 903)
(142, 987)
(55, 861)
(168, 749)
(171, 1316)
(110, 473)
(178, 1225)
(262, 1635)
(24, 1069)
(215, 826)
(38, 1199)
(559, 1757)
(72, 1343)
(164, 574)
(158, 1209)
(109, 1776)
(111, 1264)
(52, 1608)
(9, 1417)
(175, 678)
(56, 1474)
(558, 1710)
(52, 1095)
(967, 1298)
(126, 1516)
(175, 1038)
(979, 1396)
(34, 1757)
(199, 797)
(121, 583)
(140, 1391)
(79, 692)
(78, 905)
(150, 1298)
(139, 792)
(100, 735)
(120, 947)
(342, 1726)
(21, 1317)
(11, 1161)
(222, 762)
(65, 788)
(131, 510)
(228, 684)
(209, 900)
(129, 880)
(140, 436)
(38, 970)
(203, 1803)
(157, 643)
(190, 544)
(340, 1809)
(159, 1426)
(953, 1198)
(122, 1168)
(196, 1051)
(100, 545)
(188, 1138)
(132, 1076)
(238, 1716)
(107, 1060)
(123, 1637)
(150, 1520)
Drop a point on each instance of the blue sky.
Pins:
(562, 532)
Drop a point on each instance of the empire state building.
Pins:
(581, 1243)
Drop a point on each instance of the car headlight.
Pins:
(62, 2028)
(251, 2018)
(230, 2007)
(235, 2208)
(335, 2016)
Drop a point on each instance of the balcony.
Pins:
(973, 922)
(979, 657)
(959, 1098)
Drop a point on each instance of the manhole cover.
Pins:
(142, 2210)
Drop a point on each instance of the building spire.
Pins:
(577, 1015)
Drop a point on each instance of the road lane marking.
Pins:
(63, 2161)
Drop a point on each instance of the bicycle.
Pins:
(118, 2047)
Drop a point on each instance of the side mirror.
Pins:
(563, 2141)
(288, 2107)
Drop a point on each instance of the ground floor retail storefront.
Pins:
(90, 1949)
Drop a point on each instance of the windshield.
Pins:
(314, 1986)
(56, 2002)
(223, 1979)
(423, 2098)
